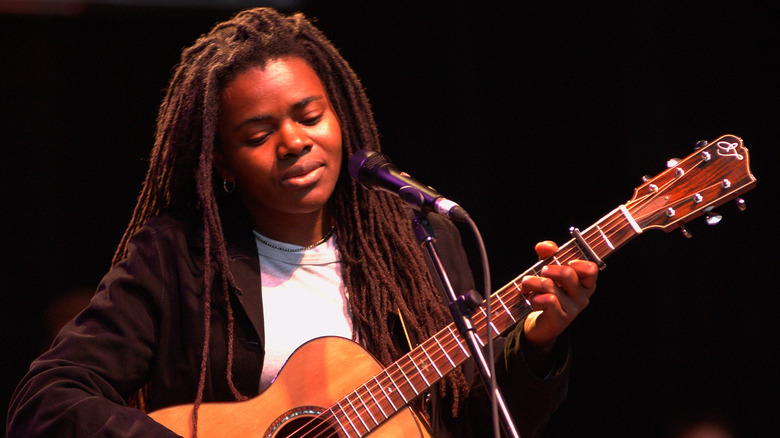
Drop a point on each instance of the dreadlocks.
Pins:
(382, 265)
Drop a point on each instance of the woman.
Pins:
(247, 189)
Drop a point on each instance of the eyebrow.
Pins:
(264, 118)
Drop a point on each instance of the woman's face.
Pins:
(280, 140)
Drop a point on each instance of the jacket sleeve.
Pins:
(79, 386)
(530, 398)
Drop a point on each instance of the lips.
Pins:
(301, 174)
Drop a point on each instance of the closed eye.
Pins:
(311, 121)
(257, 141)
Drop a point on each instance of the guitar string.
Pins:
(699, 163)
(636, 205)
(566, 253)
(449, 343)
(611, 224)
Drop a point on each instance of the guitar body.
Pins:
(317, 375)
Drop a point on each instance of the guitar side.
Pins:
(319, 374)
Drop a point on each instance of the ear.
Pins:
(220, 163)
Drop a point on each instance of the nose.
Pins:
(293, 140)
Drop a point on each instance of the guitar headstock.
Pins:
(709, 177)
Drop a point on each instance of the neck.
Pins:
(296, 229)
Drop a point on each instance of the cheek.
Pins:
(252, 166)
(332, 138)
(329, 133)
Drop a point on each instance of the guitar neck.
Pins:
(714, 173)
(392, 389)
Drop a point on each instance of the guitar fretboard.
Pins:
(376, 400)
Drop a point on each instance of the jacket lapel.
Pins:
(245, 266)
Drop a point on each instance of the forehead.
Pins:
(286, 76)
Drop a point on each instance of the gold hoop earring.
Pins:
(228, 186)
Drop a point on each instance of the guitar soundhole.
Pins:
(300, 423)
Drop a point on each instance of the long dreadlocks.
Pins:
(382, 265)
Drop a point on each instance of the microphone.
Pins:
(375, 171)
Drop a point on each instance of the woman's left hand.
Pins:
(558, 295)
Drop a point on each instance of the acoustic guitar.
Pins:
(332, 387)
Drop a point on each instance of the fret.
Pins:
(349, 419)
(533, 270)
(616, 229)
(420, 373)
(397, 388)
(397, 365)
(436, 338)
(367, 409)
(376, 403)
(457, 341)
(598, 241)
(387, 396)
(357, 414)
(341, 426)
(430, 361)
(372, 402)
(506, 309)
(493, 328)
(604, 236)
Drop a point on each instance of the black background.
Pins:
(533, 117)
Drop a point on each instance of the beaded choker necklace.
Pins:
(302, 248)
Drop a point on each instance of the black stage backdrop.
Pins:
(533, 117)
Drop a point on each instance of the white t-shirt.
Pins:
(303, 298)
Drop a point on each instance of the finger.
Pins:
(556, 306)
(546, 249)
(570, 283)
(561, 274)
(538, 285)
(547, 288)
(576, 274)
(550, 305)
(586, 271)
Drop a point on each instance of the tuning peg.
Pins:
(685, 231)
(700, 144)
(646, 178)
(741, 205)
(672, 162)
(712, 218)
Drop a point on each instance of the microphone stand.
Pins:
(461, 316)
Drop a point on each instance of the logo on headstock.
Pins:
(726, 149)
